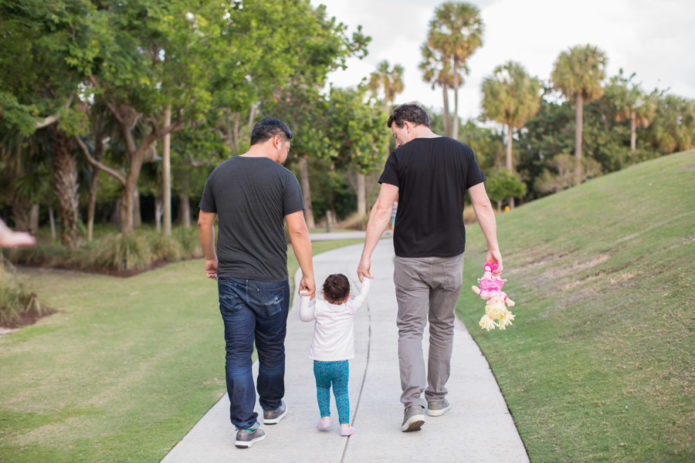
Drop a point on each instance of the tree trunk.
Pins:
(166, 174)
(21, 214)
(94, 186)
(578, 121)
(137, 214)
(306, 191)
(34, 219)
(185, 211)
(361, 195)
(52, 220)
(130, 193)
(633, 131)
(447, 120)
(510, 164)
(65, 177)
(158, 212)
(91, 208)
(455, 128)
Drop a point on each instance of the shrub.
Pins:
(119, 252)
(164, 248)
(190, 244)
(17, 304)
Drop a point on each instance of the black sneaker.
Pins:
(413, 418)
(274, 416)
(438, 407)
(245, 438)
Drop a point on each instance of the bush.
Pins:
(122, 253)
(113, 252)
(17, 304)
(164, 248)
(190, 243)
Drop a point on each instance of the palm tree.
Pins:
(387, 79)
(578, 73)
(511, 97)
(633, 105)
(455, 33)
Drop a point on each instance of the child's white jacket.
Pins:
(333, 331)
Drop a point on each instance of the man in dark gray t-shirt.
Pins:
(252, 196)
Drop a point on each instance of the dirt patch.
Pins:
(26, 319)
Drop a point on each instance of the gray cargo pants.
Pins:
(426, 288)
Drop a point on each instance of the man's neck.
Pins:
(422, 131)
(259, 151)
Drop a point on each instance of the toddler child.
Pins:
(333, 345)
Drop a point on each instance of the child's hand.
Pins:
(305, 293)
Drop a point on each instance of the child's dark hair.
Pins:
(336, 288)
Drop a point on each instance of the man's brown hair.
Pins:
(410, 112)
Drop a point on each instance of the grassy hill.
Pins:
(599, 363)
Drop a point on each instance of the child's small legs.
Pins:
(323, 388)
(340, 390)
(336, 374)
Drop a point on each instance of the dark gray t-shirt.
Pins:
(432, 176)
(251, 197)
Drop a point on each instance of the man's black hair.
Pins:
(410, 112)
(267, 128)
(336, 288)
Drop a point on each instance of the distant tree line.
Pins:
(103, 103)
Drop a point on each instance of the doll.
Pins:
(496, 312)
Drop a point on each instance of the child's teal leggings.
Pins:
(337, 374)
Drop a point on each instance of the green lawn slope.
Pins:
(598, 365)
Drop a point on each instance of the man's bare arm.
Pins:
(206, 234)
(486, 220)
(301, 245)
(378, 221)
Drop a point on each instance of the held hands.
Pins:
(363, 269)
(307, 287)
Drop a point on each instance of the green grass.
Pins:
(598, 365)
(121, 372)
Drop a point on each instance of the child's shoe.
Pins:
(324, 423)
(346, 430)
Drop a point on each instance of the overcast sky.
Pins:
(654, 39)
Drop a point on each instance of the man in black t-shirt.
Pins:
(429, 175)
(252, 195)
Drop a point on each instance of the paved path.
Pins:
(479, 427)
(337, 235)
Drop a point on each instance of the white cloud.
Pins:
(653, 39)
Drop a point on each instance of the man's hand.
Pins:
(211, 268)
(307, 286)
(363, 269)
(495, 257)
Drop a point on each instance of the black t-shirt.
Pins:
(432, 175)
(251, 197)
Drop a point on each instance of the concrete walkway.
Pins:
(478, 428)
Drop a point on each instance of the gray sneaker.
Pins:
(245, 438)
(274, 416)
(413, 418)
(438, 407)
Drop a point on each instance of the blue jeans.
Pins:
(254, 310)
